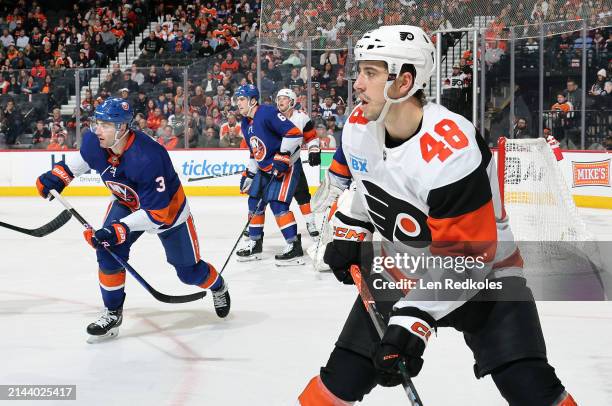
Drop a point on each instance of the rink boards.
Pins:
(587, 173)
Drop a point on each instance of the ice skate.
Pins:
(292, 255)
(106, 327)
(251, 251)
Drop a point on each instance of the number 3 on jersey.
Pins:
(454, 138)
(162, 183)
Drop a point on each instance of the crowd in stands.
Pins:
(38, 47)
(563, 67)
(192, 107)
(196, 55)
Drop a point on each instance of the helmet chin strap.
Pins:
(118, 139)
(389, 101)
(251, 106)
(289, 107)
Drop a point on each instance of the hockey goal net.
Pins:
(535, 194)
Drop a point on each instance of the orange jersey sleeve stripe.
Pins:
(168, 214)
(309, 135)
(112, 281)
(340, 169)
(473, 233)
(293, 133)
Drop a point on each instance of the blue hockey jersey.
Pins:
(141, 178)
(267, 133)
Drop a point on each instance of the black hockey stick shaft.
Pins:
(44, 230)
(378, 321)
(246, 225)
(156, 294)
(215, 176)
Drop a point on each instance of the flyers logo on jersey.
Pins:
(258, 148)
(124, 193)
(396, 219)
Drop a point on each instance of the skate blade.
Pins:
(291, 262)
(112, 333)
(256, 257)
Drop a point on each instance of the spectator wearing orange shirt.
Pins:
(58, 143)
(560, 118)
(230, 133)
(154, 120)
(38, 71)
(168, 139)
(230, 63)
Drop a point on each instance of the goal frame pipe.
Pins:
(584, 85)
(501, 171)
(475, 78)
(512, 80)
(439, 70)
(541, 85)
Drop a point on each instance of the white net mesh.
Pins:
(536, 195)
(316, 251)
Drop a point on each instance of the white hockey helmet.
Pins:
(398, 45)
(287, 93)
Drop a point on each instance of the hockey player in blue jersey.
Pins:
(147, 196)
(274, 144)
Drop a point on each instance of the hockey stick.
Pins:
(377, 320)
(265, 190)
(215, 176)
(157, 295)
(42, 231)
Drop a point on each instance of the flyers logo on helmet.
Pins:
(124, 193)
(406, 36)
(396, 219)
(258, 148)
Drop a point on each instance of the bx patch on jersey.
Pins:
(359, 164)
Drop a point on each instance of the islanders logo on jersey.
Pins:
(258, 148)
(124, 193)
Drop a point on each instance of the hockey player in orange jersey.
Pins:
(424, 178)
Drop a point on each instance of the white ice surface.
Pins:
(283, 324)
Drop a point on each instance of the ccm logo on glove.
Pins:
(349, 234)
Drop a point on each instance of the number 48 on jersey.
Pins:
(452, 139)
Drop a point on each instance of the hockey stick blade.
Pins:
(156, 294)
(42, 231)
(214, 176)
